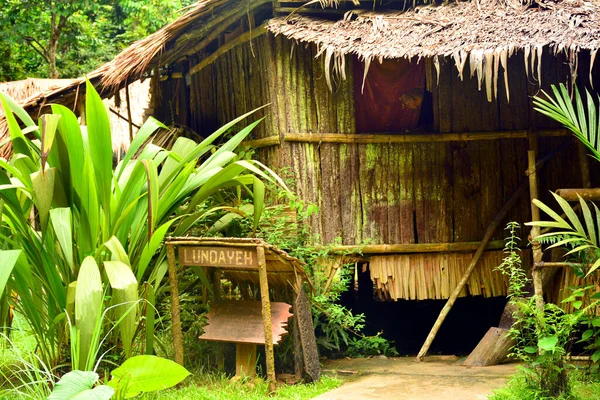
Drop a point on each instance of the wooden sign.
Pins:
(212, 256)
(240, 321)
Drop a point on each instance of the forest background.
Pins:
(68, 38)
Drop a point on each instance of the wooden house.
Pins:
(409, 126)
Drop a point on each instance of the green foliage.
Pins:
(371, 346)
(583, 121)
(511, 264)
(103, 227)
(542, 337)
(89, 33)
(518, 388)
(143, 374)
(288, 226)
(79, 385)
(221, 387)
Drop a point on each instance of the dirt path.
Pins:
(405, 379)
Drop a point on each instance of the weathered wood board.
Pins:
(218, 256)
(240, 321)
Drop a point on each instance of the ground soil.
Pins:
(403, 378)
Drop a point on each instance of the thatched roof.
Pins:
(481, 33)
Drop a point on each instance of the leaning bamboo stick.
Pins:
(466, 275)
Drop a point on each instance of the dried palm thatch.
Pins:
(33, 90)
(481, 33)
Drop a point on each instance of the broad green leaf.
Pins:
(147, 374)
(77, 385)
(548, 343)
(100, 141)
(259, 200)
(19, 142)
(152, 246)
(8, 260)
(61, 221)
(118, 252)
(48, 127)
(43, 189)
(88, 305)
(125, 295)
(587, 334)
(150, 126)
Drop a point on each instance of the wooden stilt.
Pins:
(175, 317)
(535, 232)
(245, 360)
(461, 284)
(266, 314)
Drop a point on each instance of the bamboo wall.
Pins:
(435, 192)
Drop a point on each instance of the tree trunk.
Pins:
(55, 31)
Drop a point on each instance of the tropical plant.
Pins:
(581, 118)
(76, 231)
(139, 374)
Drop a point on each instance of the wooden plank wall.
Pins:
(384, 193)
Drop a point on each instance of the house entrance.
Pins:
(407, 322)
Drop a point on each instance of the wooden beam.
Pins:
(586, 194)
(369, 138)
(414, 248)
(243, 38)
(268, 141)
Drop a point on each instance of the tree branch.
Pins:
(41, 50)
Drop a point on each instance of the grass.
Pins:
(518, 389)
(220, 387)
(15, 356)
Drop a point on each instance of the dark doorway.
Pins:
(408, 322)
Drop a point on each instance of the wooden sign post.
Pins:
(246, 323)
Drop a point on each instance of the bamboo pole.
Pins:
(263, 142)
(266, 315)
(175, 317)
(559, 264)
(465, 277)
(404, 137)
(414, 248)
(586, 194)
(535, 231)
(584, 165)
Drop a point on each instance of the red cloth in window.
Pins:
(392, 96)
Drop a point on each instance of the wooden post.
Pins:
(175, 317)
(535, 232)
(245, 360)
(584, 165)
(266, 314)
(461, 284)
